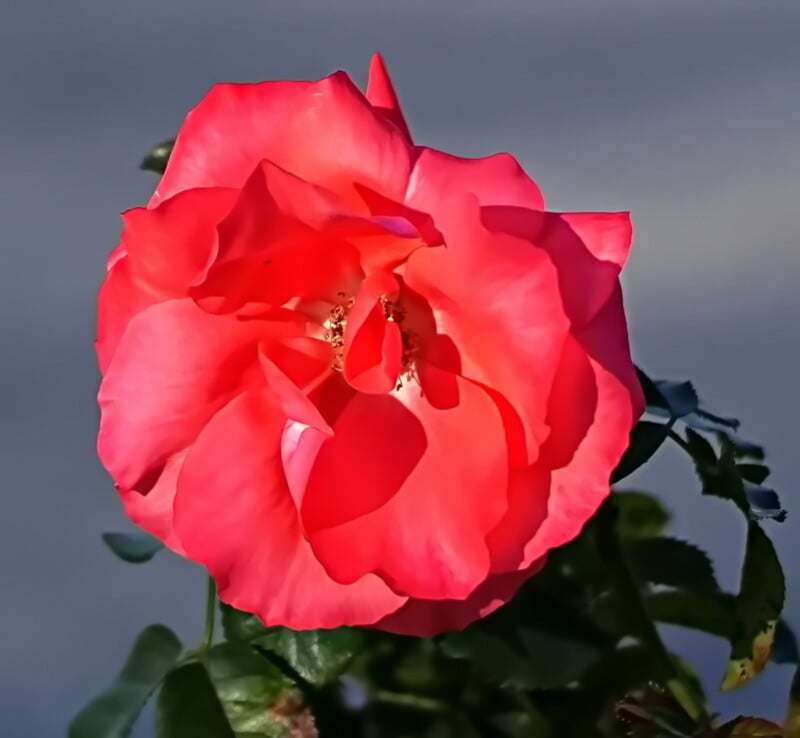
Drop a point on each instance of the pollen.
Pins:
(394, 313)
(334, 328)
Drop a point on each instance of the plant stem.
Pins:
(211, 610)
(626, 590)
(413, 701)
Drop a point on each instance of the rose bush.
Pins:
(361, 381)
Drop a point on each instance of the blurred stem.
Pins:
(211, 611)
(626, 591)
(412, 701)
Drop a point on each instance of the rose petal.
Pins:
(173, 369)
(373, 347)
(234, 515)
(588, 249)
(427, 618)
(496, 298)
(494, 180)
(382, 96)
(324, 132)
(120, 298)
(152, 509)
(581, 483)
(387, 494)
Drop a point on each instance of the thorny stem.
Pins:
(627, 591)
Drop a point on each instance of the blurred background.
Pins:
(685, 112)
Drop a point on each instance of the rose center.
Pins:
(392, 311)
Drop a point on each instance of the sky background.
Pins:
(687, 113)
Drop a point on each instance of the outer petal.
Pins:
(152, 509)
(588, 249)
(430, 617)
(580, 476)
(381, 94)
(494, 180)
(496, 298)
(174, 368)
(239, 520)
(387, 494)
(325, 132)
(121, 297)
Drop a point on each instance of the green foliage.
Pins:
(639, 515)
(156, 159)
(317, 656)
(646, 438)
(135, 548)
(188, 706)
(672, 563)
(113, 713)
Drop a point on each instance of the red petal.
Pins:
(237, 518)
(496, 298)
(588, 249)
(381, 94)
(152, 509)
(173, 369)
(324, 132)
(494, 180)
(410, 491)
(120, 298)
(430, 617)
(580, 475)
(172, 246)
(373, 347)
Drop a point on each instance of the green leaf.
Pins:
(257, 698)
(645, 439)
(135, 548)
(719, 476)
(532, 659)
(703, 611)
(318, 656)
(755, 473)
(113, 713)
(639, 515)
(680, 397)
(764, 502)
(672, 563)
(758, 606)
(188, 706)
(653, 713)
(785, 650)
(156, 159)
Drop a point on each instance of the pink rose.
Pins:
(362, 381)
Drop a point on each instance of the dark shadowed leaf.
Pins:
(652, 395)
(748, 727)
(639, 515)
(529, 659)
(318, 656)
(653, 713)
(113, 713)
(706, 612)
(645, 439)
(673, 563)
(703, 420)
(257, 698)
(758, 606)
(764, 503)
(680, 397)
(156, 159)
(188, 706)
(755, 473)
(135, 548)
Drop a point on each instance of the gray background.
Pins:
(686, 113)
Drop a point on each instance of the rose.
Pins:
(360, 380)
